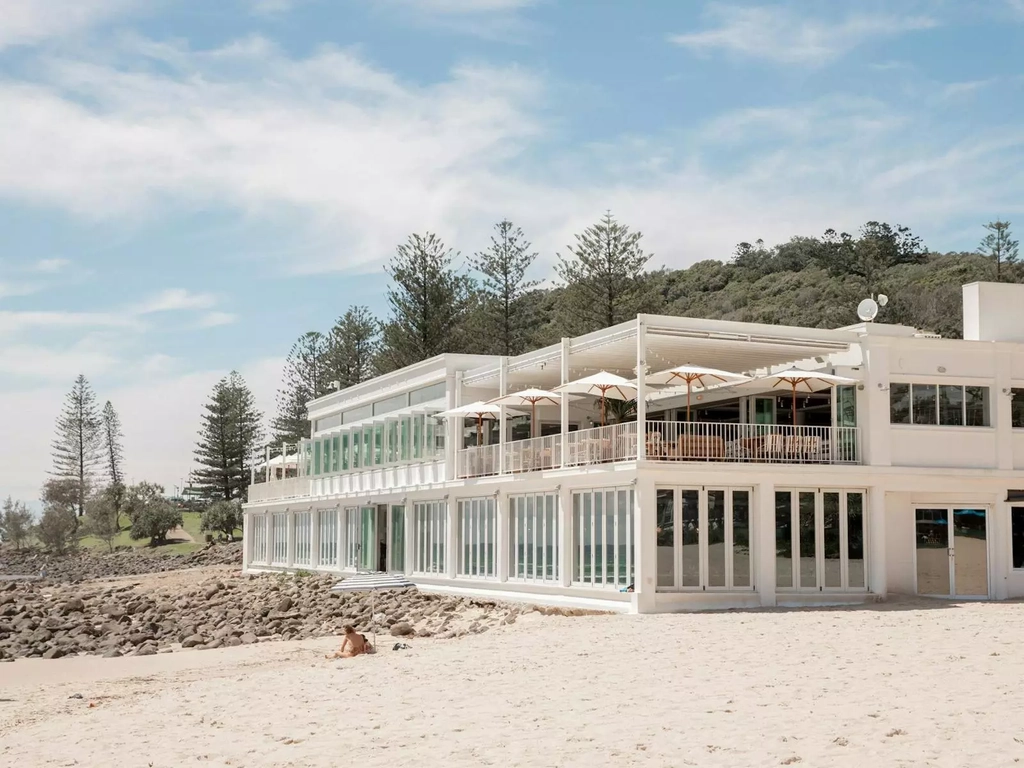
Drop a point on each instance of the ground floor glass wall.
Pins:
(279, 525)
(430, 531)
(477, 527)
(303, 532)
(257, 538)
(819, 540)
(327, 531)
(602, 523)
(534, 537)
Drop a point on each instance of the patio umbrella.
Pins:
(693, 374)
(528, 397)
(373, 582)
(604, 384)
(810, 381)
(480, 410)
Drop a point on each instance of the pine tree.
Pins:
(999, 246)
(429, 302)
(307, 375)
(229, 438)
(506, 319)
(354, 342)
(113, 457)
(15, 522)
(605, 278)
(78, 445)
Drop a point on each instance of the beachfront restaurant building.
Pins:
(811, 467)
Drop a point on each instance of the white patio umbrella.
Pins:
(604, 384)
(479, 410)
(528, 397)
(809, 381)
(693, 375)
(373, 582)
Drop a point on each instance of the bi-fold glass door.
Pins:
(704, 537)
(819, 540)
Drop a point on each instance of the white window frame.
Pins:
(584, 509)
(303, 532)
(353, 527)
(478, 530)
(938, 406)
(279, 524)
(258, 539)
(327, 530)
(530, 528)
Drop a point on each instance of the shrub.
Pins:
(15, 523)
(222, 517)
(58, 529)
(101, 516)
(154, 519)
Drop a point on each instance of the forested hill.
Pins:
(489, 302)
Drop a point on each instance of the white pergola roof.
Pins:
(670, 341)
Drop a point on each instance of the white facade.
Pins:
(900, 482)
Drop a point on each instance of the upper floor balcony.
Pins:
(666, 441)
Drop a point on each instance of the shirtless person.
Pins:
(353, 644)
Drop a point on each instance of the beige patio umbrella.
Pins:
(528, 397)
(478, 410)
(604, 384)
(808, 381)
(692, 375)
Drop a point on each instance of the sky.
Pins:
(187, 186)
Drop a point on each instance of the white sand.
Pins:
(904, 684)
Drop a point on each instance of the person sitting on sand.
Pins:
(353, 644)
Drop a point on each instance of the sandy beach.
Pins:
(902, 684)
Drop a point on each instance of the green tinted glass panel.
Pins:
(417, 437)
(367, 446)
(344, 451)
(317, 457)
(396, 552)
(392, 441)
(335, 453)
(428, 445)
(357, 442)
(404, 440)
(378, 444)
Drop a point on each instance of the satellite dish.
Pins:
(882, 299)
(867, 310)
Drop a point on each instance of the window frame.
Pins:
(906, 389)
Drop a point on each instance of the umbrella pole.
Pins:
(479, 430)
(533, 419)
(602, 408)
(794, 404)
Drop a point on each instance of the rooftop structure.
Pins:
(816, 466)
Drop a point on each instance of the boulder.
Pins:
(192, 641)
(402, 629)
(75, 604)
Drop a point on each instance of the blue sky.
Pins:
(185, 187)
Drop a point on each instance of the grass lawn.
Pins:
(124, 539)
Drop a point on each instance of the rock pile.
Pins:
(86, 564)
(111, 619)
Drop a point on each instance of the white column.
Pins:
(641, 392)
(1001, 405)
(502, 414)
(339, 537)
(314, 538)
(454, 384)
(246, 544)
(564, 403)
(452, 536)
(645, 546)
(877, 581)
(873, 406)
(501, 522)
(565, 558)
(765, 554)
(290, 528)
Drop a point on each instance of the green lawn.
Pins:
(124, 539)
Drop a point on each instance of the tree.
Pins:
(58, 524)
(155, 520)
(222, 517)
(307, 375)
(229, 437)
(998, 245)
(506, 317)
(113, 457)
(879, 247)
(429, 302)
(605, 278)
(78, 445)
(354, 342)
(103, 516)
(15, 523)
(138, 496)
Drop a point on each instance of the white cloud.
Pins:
(51, 266)
(778, 34)
(463, 6)
(24, 22)
(214, 319)
(954, 90)
(174, 299)
(10, 289)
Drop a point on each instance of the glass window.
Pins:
(357, 414)
(1017, 408)
(392, 430)
(328, 422)
(783, 539)
(390, 404)
(367, 458)
(924, 399)
(741, 538)
(1017, 535)
(951, 405)
(976, 408)
(417, 437)
(426, 394)
(404, 454)
(716, 538)
(396, 553)
(832, 551)
(378, 444)
(317, 457)
(690, 524)
(346, 458)
(428, 440)
(855, 539)
(665, 512)
(336, 453)
(808, 541)
(357, 442)
(899, 403)
(846, 406)
(533, 548)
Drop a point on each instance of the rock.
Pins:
(248, 638)
(112, 611)
(284, 605)
(193, 641)
(402, 629)
(75, 604)
(53, 653)
(146, 650)
(233, 641)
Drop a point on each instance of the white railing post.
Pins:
(641, 388)
(563, 405)
(502, 415)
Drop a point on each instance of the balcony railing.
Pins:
(670, 441)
